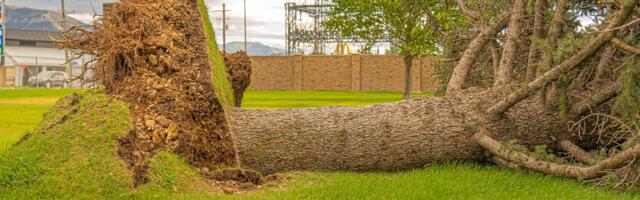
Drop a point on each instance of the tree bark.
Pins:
(408, 63)
(538, 33)
(461, 70)
(603, 95)
(511, 44)
(470, 13)
(384, 137)
(495, 56)
(576, 152)
(624, 46)
(603, 70)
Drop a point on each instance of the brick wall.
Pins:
(342, 73)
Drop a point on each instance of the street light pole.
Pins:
(245, 26)
(224, 28)
(66, 51)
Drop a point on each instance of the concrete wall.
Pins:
(343, 73)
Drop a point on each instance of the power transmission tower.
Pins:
(304, 25)
(224, 26)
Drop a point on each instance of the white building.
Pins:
(30, 52)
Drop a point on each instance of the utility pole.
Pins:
(224, 26)
(66, 51)
(245, 27)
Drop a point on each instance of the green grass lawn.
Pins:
(21, 110)
(77, 161)
(289, 99)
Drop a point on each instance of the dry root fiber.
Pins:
(239, 67)
(152, 54)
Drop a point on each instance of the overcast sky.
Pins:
(265, 18)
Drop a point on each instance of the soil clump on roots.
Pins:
(239, 67)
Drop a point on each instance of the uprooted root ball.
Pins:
(152, 54)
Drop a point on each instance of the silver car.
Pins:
(48, 79)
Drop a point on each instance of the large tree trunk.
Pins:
(511, 45)
(392, 136)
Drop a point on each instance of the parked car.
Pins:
(49, 79)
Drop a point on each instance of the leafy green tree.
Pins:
(416, 27)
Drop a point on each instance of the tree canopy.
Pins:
(415, 27)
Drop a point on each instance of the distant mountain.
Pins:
(34, 19)
(72, 6)
(255, 48)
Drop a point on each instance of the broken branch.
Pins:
(576, 152)
(623, 45)
(619, 160)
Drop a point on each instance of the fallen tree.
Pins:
(386, 137)
(161, 68)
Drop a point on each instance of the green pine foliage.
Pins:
(628, 103)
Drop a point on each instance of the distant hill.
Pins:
(255, 48)
(34, 19)
(72, 6)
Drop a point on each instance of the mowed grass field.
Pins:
(21, 110)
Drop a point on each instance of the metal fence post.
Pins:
(37, 72)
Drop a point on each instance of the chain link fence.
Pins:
(28, 71)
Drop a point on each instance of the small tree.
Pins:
(415, 27)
